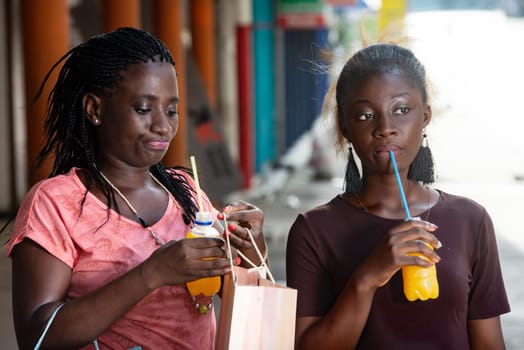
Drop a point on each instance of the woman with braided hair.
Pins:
(102, 239)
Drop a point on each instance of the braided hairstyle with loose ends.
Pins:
(95, 66)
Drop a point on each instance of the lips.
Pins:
(383, 150)
(158, 144)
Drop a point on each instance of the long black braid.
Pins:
(95, 66)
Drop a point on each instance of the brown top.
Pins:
(326, 244)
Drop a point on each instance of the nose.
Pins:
(161, 123)
(384, 126)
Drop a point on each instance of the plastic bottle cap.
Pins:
(203, 218)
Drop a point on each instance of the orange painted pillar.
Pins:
(169, 24)
(202, 25)
(45, 27)
(120, 13)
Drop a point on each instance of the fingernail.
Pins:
(232, 227)
(220, 216)
(237, 260)
(432, 225)
(439, 244)
(227, 208)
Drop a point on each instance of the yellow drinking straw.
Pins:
(197, 184)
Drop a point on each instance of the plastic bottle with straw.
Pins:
(207, 286)
(419, 282)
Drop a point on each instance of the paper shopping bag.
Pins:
(255, 313)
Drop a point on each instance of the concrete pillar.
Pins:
(6, 165)
(45, 39)
(120, 13)
(264, 83)
(227, 102)
(245, 90)
(202, 24)
(169, 24)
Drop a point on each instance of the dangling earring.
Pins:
(422, 168)
(353, 182)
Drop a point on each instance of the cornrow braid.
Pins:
(96, 66)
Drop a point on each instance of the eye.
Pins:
(142, 110)
(401, 110)
(365, 116)
(172, 113)
(171, 109)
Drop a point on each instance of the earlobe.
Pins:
(91, 104)
(342, 130)
(427, 115)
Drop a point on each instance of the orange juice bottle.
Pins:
(420, 282)
(203, 228)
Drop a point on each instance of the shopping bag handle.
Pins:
(253, 242)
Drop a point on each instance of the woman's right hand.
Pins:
(185, 260)
(394, 252)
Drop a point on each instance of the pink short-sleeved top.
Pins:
(99, 249)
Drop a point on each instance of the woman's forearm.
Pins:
(342, 326)
(82, 320)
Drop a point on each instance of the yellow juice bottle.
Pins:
(207, 286)
(420, 282)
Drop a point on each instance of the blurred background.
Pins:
(252, 78)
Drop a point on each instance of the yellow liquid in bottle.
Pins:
(209, 285)
(420, 282)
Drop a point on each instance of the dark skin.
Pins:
(385, 113)
(133, 127)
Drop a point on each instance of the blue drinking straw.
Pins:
(399, 183)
